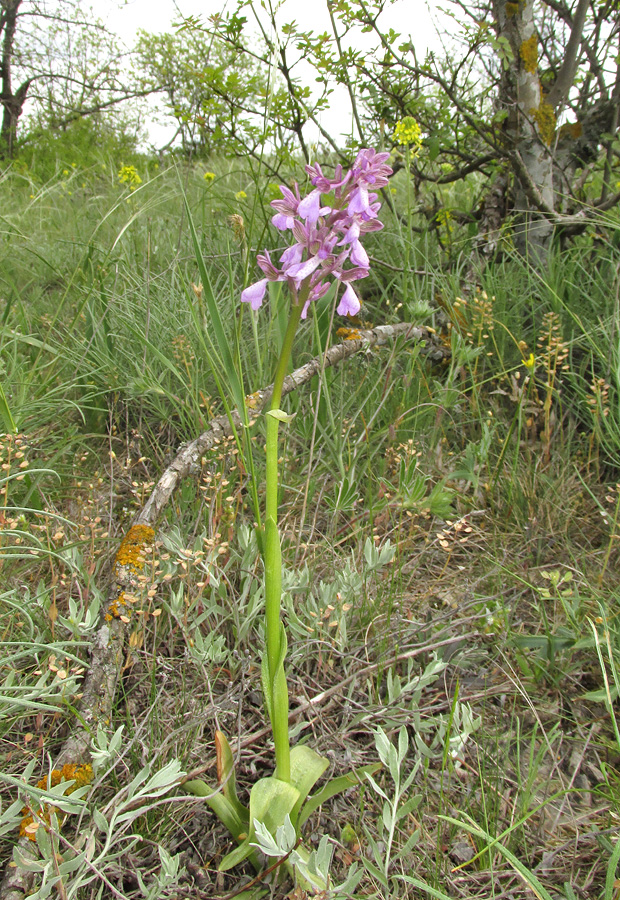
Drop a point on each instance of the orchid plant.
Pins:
(327, 226)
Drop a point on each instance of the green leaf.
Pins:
(312, 878)
(610, 879)
(271, 800)
(600, 696)
(333, 787)
(434, 146)
(421, 885)
(266, 684)
(306, 769)
(228, 815)
(280, 415)
(226, 774)
(376, 872)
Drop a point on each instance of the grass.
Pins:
(449, 536)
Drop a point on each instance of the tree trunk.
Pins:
(531, 122)
(12, 102)
(530, 129)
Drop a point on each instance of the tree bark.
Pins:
(532, 117)
(12, 102)
(530, 127)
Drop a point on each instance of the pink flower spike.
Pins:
(310, 207)
(352, 234)
(289, 202)
(282, 222)
(359, 201)
(291, 256)
(359, 257)
(302, 270)
(349, 304)
(355, 274)
(254, 294)
(264, 262)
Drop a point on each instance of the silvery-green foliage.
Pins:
(54, 794)
(377, 558)
(50, 868)
(169, 874)
(82, 618)
(104, 749)
(84, 609)
(312, 868)
(207, 648)
(275, 846)
(306, 602)
(463, 726)
(104, 838)
(46, 693)
(10, 817)
(413, 685)
(396, 806)
(205, 562)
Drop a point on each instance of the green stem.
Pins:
(278, 701)
(408, 235)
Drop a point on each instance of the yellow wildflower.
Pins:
(530, 362)
(209, 177)
(444, 217)
(129, 175)
(408, 133)
(240, 195)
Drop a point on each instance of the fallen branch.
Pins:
(188, 459)
(99, 687)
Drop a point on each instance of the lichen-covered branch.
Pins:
(188, 459)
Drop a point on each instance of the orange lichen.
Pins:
(545, 120)
(572, 130)
(132, 547)
(528, 52)
(118, 609)
(349, 334)
(80, 775)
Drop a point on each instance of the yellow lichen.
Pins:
(529, 54)
(132, 547)
(349, 334)
(545, 120)
(512, 9)
(80, 775)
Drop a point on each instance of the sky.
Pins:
(408, 17)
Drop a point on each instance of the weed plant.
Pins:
(450, 551)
